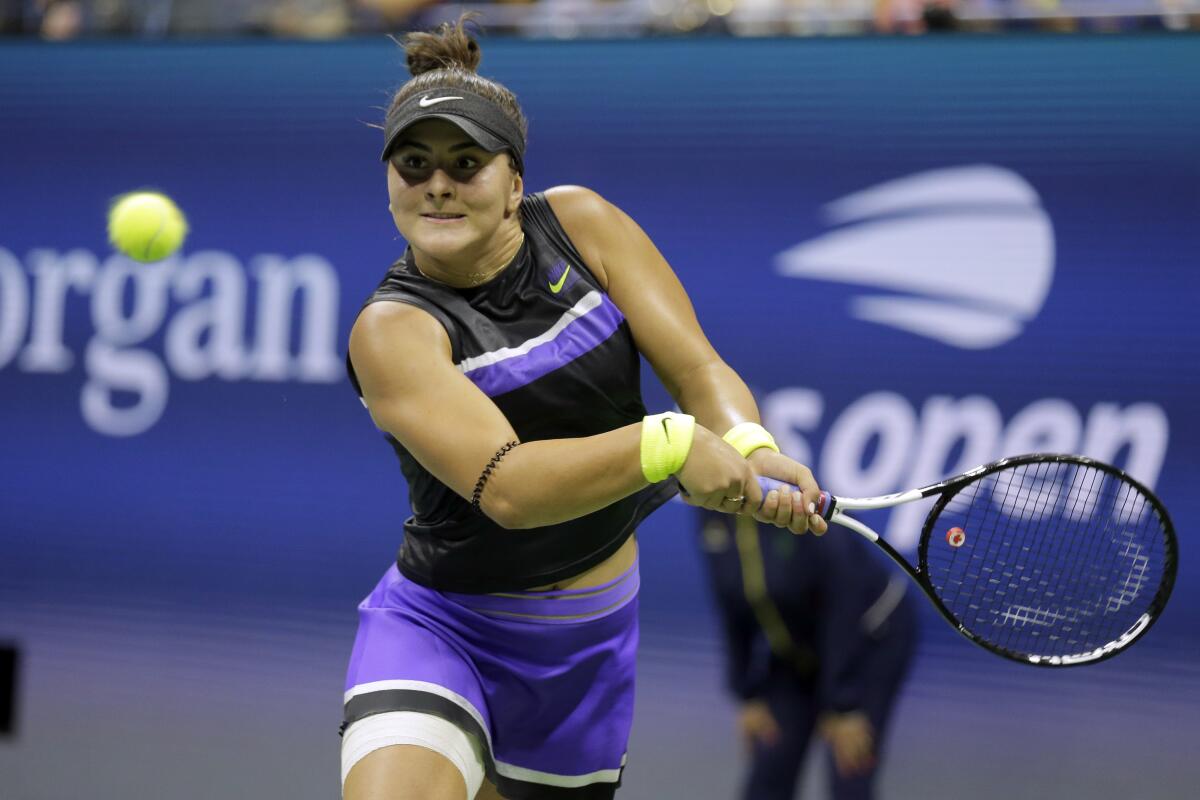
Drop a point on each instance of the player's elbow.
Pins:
(505, 510)
(508, 498)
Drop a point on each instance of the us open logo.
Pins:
(963, 255)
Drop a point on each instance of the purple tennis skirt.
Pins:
(544, 680)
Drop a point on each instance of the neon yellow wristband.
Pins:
(747, 437)
(666, 442)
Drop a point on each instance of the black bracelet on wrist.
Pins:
(487, 473)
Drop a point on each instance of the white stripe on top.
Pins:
(588, 302)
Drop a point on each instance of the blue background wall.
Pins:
(192, 501)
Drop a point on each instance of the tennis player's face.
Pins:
(449, 197)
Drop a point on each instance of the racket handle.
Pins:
(824, 504)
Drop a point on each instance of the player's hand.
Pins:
(795, 511)
(851, 739)
(715, 476)
(757, 725)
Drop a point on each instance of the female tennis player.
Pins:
(500, 356)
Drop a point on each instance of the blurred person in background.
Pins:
(916, 16)
(60, 20)
(12, 17)
(939, 16)
(289, 19)
(819, 635)
(395, 14)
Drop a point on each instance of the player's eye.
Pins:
(413, 167)
(464, 168)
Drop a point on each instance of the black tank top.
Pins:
(547, 345)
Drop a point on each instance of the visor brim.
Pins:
(477, 133)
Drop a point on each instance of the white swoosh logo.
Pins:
(427, 101)
(969, 250)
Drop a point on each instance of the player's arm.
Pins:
(667, 333)
(402, 359)
(659, 312)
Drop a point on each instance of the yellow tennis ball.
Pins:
(146, 226)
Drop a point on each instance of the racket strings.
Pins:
(1059, 559)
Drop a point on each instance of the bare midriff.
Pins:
(607, 570)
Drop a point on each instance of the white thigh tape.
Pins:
(415, 728)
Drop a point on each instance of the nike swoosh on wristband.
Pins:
(557, 286)
(427, 101)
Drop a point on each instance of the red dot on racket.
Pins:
(955, 537)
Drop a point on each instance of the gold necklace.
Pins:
(477, 278)
(474, 279)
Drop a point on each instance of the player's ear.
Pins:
(516, 191)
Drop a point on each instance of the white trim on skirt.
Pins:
(511, 771)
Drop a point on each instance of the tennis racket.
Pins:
(1052, 560)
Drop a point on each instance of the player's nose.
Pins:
(439, 185)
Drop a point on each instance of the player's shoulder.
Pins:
(576, 200)
(384, 327)
(387, 314)
(590, 221)
(579, 206)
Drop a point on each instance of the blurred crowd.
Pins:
(323, 19)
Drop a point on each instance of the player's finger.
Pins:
(813, 522)
(800, 518)
(783, 512)
(727, 499)
(812, 502)
(782, 502)
(770, 503)
(809, 488)
(753, 491)
(733, 503)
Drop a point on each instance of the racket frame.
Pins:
(832, 509)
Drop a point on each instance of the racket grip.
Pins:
(824, 506)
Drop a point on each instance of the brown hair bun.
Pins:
(450, 46)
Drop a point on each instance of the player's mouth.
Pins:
(441, 218)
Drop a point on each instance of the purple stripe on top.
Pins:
(582, 335)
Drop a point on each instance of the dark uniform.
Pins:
(812, 625)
